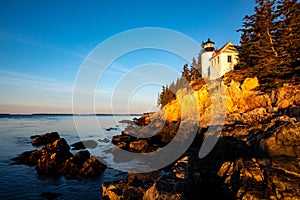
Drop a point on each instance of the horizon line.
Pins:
(2, 114)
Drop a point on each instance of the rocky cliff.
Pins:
(238, 98)
(257, 154)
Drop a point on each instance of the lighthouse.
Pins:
(206, 53)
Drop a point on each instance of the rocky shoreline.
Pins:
(250, 161)
(257, 155)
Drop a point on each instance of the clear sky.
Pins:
(44, 43)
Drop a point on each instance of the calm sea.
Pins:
(22, 182)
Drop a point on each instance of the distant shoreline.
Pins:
(4, 115)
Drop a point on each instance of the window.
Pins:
(218, 60)
(229, 59)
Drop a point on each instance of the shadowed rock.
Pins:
(27, 158)
(70, 168)
(91, 168)
(134, 188)
(52, 156)
(164, 189)
(90, 144)
(81, 165)
(44, 139)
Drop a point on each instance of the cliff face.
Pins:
(238, 99)
(256, 156)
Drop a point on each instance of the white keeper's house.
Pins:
(215, 63)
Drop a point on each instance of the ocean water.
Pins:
(22, 182)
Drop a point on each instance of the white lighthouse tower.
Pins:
(206, 53)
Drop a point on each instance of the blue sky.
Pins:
(44, 43)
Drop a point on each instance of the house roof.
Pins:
(216, 51)
(222, 49)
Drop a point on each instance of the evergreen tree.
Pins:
(195, 73)
(199, 63)
(249, 50)
(258, 36)
(160, 100)
(186, 73)
(288, 32)
(166, 96)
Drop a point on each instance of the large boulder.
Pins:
(53, 155)
(165, 188)
(90, 144)
(249, 84)
(44, 139)
(91, 168)
(281, 138)
(144, 180)
(58, 145)
(70, 168)
(121, 191)
(112, 191)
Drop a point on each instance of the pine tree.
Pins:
(288, 33)
(258, 36)
(160, 100)
(186, 74)
(166, 96)
(249, 50)
(195, 73)
(170, 95)
(199, 62)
